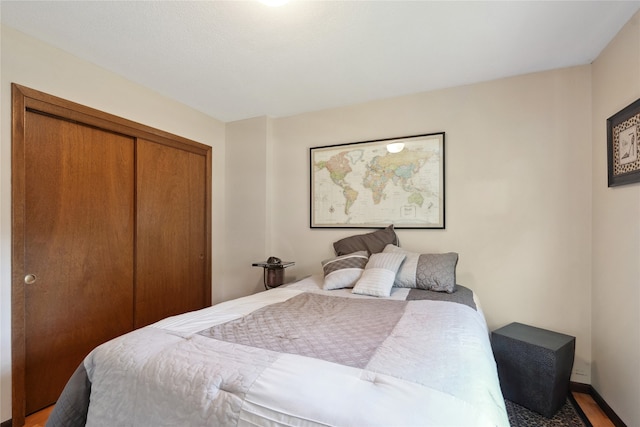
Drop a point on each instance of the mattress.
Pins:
(297, 356)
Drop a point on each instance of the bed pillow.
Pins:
(434, 272)
(344, 271)
(373, 243)
(379, 274)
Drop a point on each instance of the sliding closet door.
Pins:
(78, 248)
(171, 232)
(106, 214)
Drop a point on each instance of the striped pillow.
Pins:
(379, 275)
(344, 271)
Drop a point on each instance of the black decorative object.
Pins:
(623, 153)
(273, 271)
(534, 366)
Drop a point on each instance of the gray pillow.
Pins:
(344, 270)
(373, 243)
(433, 272)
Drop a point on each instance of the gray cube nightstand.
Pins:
(534, 366)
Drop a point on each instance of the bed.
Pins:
(383, 337)
(297, 355)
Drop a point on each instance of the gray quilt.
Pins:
(290, 357)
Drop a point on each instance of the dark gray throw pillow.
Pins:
(433, 272)
(437, 272)
(373, 243)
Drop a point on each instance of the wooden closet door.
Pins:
(171, 232)
(79, 227)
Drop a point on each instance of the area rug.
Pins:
(569, 415)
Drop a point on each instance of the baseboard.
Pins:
(7, 423)
(588, 389)
(580, 387)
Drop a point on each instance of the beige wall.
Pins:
(616, 237)
(34, 64)
(518, 196)
(248, 151)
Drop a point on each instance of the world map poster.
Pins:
(376, 183)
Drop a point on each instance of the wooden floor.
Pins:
(586, 402)
(591, 409)
(39, 418)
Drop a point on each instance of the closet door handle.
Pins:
(30, 279)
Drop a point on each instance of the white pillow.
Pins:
(379, 275)
(344, 271)
(406, 277)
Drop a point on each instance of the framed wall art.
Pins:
(623, 132)
(372, 184)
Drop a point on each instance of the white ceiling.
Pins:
(240, 59)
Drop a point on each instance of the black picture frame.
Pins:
(357, 192)
(623, 154)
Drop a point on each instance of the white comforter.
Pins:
(435, 369)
